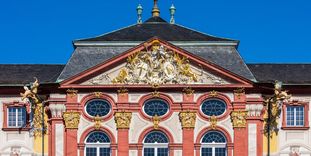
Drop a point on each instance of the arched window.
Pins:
(97, 144)
(157, 107)
(213, 106)
(155, 144)
(213, 143)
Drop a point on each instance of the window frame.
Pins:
(15, 104)
(156, 145)
(100, 99)
(214, 145)
(148, 100)
(16, 118)
(97, 145)
(306, 116)
(221, 100)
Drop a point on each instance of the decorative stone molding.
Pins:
(98, 94)
(254, 110)
(187, 119)
(123, 119)
(57, 110)
(188, 91)
(71, 119)
(239, 118)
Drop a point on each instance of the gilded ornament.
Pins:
(123, 119)
(213, 93)
(72, 92)
(239, 92)
(187, 119)
(31, 93)
(188, 91)
(156, 94)
(239, 118)
(156, 121)
(122, 90)
(71, 119)
(213, 122)
(97, 120)
(37, 121)
(156, 65)
(98, 94)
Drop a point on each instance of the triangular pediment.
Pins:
(155, 62)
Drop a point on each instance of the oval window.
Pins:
(98, 107)
(156, 107)
(212, 107)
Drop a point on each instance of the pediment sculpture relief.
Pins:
(156, 65)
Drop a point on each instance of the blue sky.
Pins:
(39, 31)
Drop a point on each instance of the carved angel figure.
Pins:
(30, 93)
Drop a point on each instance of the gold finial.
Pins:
(155, 9)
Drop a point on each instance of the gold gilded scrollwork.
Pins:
(213, 93)
(187, 119)
(156, 121)
(97, 120)
(239, 92)
(156, 65)
(72, 92)
(239, 118)
(123, 119)
(71, 119)
(188, 91)
(213, 122)
(98, 94)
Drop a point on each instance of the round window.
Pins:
(156, 107)
(212, 107)
(98, 107)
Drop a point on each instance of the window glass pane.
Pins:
(104, 151)
(290, 116)
(16, 117)
(206, 152)
(220, 151)
(98, 107)
(156, 137)
(156, 107)
(212, 107)
(162, 151)
(149, 152)
(91, 151)
(300, 116)
(98, 137)
(213, 137)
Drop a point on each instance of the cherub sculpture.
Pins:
(30, 93)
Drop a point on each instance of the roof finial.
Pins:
(172, 11)
(139, 13)
(155, 9)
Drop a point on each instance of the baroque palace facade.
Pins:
(153, 89)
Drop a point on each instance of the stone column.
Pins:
(56, 129)
(238, 117)
(123, 120)
(187, 119)
(71, 123)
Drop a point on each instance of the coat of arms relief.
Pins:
(156, 65)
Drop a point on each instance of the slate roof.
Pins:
(287, 73)
(225, 56)
(155, 26)
(24, 73)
